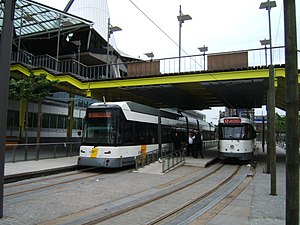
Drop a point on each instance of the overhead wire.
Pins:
(278, 25)
(228, 102)
(155, 24)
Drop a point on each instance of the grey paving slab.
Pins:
(224, 219)
(254, 206)
(32, 166)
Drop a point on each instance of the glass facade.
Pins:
(53, 121)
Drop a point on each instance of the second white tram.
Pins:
(237, 138)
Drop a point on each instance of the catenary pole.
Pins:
(5, 51)
(180, 26)
(292, 116)
(271, 112)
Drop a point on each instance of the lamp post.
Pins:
(149, 55)
(271, 104)
(203, 49)
(181, 18)
(77, 43)
(110, 30)
(265, 42)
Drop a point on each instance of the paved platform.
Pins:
(48, 164)
(40, 165)
(254, 205)
(156, 168)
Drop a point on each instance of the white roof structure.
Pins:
(93, 10)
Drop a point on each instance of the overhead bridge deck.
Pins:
(159, 85)
(238, 88)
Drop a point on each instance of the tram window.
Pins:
(126, 132)
(230, 132)
(144, 133)
(101, 129)
(249, 132)
(244, 132)
(166, 134)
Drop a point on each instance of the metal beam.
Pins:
(5, 50)
(292, 116)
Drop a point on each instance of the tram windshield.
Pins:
(236, 132)
(101, 127)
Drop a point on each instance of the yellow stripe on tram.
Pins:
(143, 151)
(94, 152)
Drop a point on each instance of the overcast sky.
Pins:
(221, 25)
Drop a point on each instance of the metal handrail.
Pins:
(37, 151)
(173, 159)
(192, 63)
(146, 159)
(168, 157)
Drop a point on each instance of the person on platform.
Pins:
(197, 146)
(177, 142)
(190, 144)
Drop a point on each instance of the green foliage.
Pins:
(14, 89)
(32, 88)
(280, 123)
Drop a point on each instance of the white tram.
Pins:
(237, 138)
(116, 132)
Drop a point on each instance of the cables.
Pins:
(226, 100)
(168, 36)
(281, 10)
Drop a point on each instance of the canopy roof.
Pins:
(32, 18)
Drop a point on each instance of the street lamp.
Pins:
(181, 18)
(150, 55)
(265, 42)
(271, 104)
(77, 43)
(203, 49)
(110, 30)
(268, 5)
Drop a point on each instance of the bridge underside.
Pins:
(234, 89)
(239, 88)
(248, 93)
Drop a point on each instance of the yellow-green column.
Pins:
(22, 114)
(70, 116)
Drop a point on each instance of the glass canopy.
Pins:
(32, 18)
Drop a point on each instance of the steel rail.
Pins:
(51, 185)
(197, 207)
(150, 198)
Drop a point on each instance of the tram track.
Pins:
(27, 186)
(190, 211)
(136, 205)
(176, 203)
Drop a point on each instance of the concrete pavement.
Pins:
(253, 205)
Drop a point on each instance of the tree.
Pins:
(33, 88)
(280, 127)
